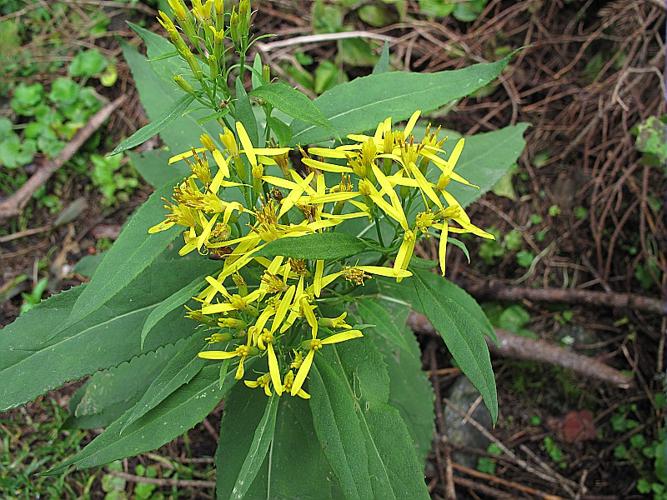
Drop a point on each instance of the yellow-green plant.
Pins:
(277, 249)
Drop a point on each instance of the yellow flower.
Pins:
(288, 383)
(315, 345)
(241, 352)
(264, 381)
(265, 342)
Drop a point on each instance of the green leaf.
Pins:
(338, 429)
(39, 353)
(410, 390)
(155, 169)
(361, 104)
(88, 63)
(159, 93)
(262, 439)
(177, 110)
(110, 393)
(485, 159)
(392, 473)
(295, 452)
(185, 408)
(133, 251)
(291, 102)
(382, 66)
(64, 91)
(243, 112)
(172, 302)
(462, 325)
(180, 369)
(327, 246)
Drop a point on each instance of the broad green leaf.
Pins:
(361, 104)
(185, 408)
(261, 441)
(295, 466)
(462, 325)
(328, 246)
(172, 302)
(382, 66)
(243, 112)
(175, 112)
(180, 369)
(133, 251)
(155, 169)
(291, 102)
(394, 470)
(110, 393)
(410, 390)
(485, 159)
(37, 360)
(338, 429)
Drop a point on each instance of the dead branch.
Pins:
(14, 204)
(514, 346)
(568, 296)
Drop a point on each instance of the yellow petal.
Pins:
(442, 247)
(217, 355)
(281, 311)
(247, 145)
(327, 153)
(385, 271)
(274, 370)
(411, 124)
(162, 226)
(456, 153)
(342, 337)
(186, 154)
(326, 167)
(302, 373)
(317, 280)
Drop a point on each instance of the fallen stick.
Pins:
(567, 295)
(515, 346)
(14, 204)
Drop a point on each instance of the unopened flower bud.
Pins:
(207, 142)
(181, 82)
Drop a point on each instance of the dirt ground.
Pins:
(587, 206)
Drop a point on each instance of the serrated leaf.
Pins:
(174, 112)
(185, 408)
(36, 360)
(328, 246)
(180, 369)
(361, 104)
(262, 439)
(338, 429)
(291, 102)
(462, 325)
(410, 390)
(110, 393)
(177, 299)
(133, 251)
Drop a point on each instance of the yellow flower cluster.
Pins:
(379, 178)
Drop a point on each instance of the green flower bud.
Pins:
(181, 82)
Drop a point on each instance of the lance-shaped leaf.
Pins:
(37, 360)
(110, 393)
(176, 111)
(172, 302)
(361, 104)
(338, 429)
(410, 390)
(133, 251)
(182, 366)
(392, 473)
(262, 439)
(294, 466)
(292, 102)
(181, 411)
(462, 325)
(327, 246)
